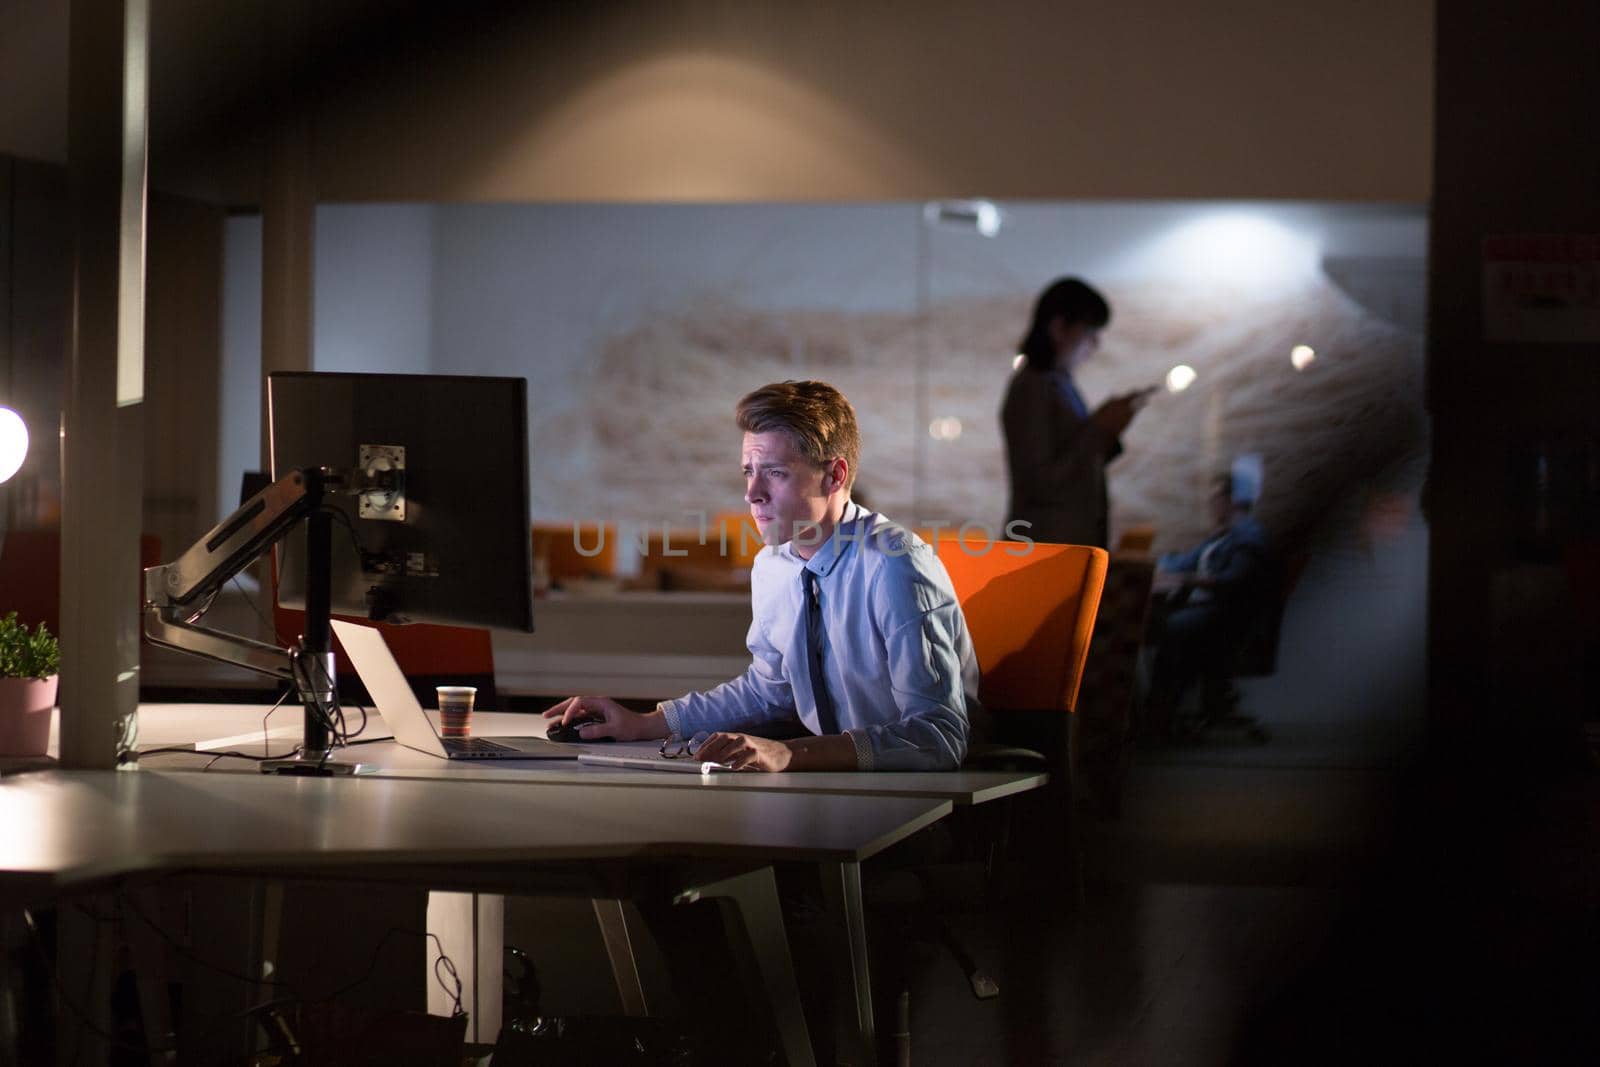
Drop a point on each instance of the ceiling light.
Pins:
(981, 215)
(1180, 378)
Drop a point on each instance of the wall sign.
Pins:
(1541, 288)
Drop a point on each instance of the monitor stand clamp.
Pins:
(304, 766)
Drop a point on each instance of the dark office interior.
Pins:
(1397, 860)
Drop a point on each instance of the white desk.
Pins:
(171, 724)
(162, 724)
(62, 830)
(75, 831)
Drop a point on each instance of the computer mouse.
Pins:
(569, 732)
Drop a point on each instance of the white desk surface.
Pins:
(164, 724)
(499, 823)
(62, 831)
(78, 826)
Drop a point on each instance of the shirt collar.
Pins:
(827, 557)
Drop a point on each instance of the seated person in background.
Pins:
(856, 629)
(1213, 592)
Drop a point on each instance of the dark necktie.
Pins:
(827, 719)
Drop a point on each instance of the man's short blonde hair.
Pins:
(818, 420)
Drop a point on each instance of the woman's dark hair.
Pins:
(1069, 299)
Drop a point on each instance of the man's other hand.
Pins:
(745, 753)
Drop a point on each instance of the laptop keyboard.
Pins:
(469, 745)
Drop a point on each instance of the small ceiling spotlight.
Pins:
(1019, 362)
(1180, 378)
(981, 215)
(945, 428)
(1302, 356)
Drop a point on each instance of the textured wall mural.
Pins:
(1350, 422)
(639, 326)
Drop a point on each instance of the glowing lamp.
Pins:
(13, 443)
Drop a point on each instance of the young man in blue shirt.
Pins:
(856, 630)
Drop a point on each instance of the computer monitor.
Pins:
(454, 545)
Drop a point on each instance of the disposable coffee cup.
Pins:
(455, 709)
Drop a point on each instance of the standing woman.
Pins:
(1056, 448)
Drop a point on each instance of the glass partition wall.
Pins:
(1285, 341)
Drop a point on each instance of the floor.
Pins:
(1335, 895)
(1261, 916)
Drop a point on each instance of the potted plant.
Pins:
(28, 665)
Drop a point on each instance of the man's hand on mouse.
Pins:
(604, 717)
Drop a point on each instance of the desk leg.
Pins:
(151, 973)
(264, 958)
(749, 904)
(616, 931)
(471, 931)
(855, 1032)
(85, 954)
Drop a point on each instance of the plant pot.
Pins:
(25, 708)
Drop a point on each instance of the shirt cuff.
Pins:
(863, 749)
(669, 711)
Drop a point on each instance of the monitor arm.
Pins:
(177, 594)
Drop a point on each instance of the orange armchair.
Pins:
(1030, 609)
(576, 550)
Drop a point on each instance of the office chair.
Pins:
(1030, 610)
(1101, 735)
(714, 557)
(1252, 653)
(1135, 540)
(576, 550)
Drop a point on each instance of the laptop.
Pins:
(392, 695)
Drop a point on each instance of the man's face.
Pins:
(783, 488)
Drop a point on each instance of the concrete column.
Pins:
(288, 206)
(102, 432)
(288, 219)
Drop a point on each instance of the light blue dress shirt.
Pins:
(896, 656)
